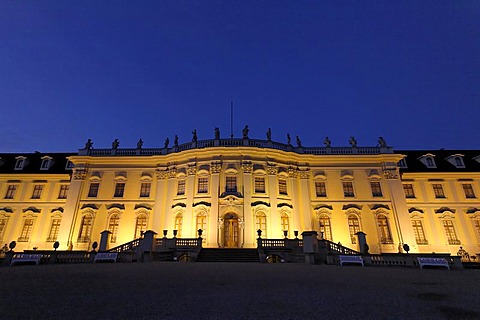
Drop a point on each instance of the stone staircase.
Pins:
(228, 255)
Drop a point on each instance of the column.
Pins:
(249, 237)
(214, 231)
(161, 194)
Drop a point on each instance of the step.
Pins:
(228, 255)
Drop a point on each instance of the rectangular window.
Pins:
(376, 189)
(282, 186)
(261, 224)
(26, 231)
(63, 192)
(468, 189)
(450, 232)
(3, 226)
(231, 184)
(325, 228)
(54, 228)
(259, 185)
(93, 191)
(438, 190)
(181, 187)
(418, 232)
(203, 185)
(145, 189)
(119, 189)
(320, 189)
(11, 191)
(37, 191)
(408, 189)
(348, 189)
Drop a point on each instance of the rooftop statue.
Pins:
(167, 142)
(217, 133)
(89, 144)
(245, 132)
(175, 141)
(381, 142)
(353, 142)
(269, 134)
(289, 139)
(115, 144)
(140, 143)
(327, 142)
(299, 142)
(194, 136)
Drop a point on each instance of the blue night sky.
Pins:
(404, 70)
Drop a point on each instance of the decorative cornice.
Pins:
(33, 209)
(379, 206)
(89, 205)
(257, 203)
(413, 209)
(143, 206)
(208, 204)
(79, 174)
(349, 206)
(215, 167)
(172, 172)
(272, 168)
(390, 173)
(444, 209)
(292, 172)
(57, 209)
(283, 204)
(323, 206)
(183, 205)
(161, 173)
(191, 169)
(247, 166)
(116, 205)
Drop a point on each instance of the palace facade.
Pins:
(230, 188)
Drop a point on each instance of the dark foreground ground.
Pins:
(235, 291)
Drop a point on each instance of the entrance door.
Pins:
(231, 230)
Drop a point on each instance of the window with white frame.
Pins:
(285, 223)
(46, 163)
(85, 229)
(376, 188)
(259, 184)
(201, 223)
(37, 191)
(320, 189)
(178, 224)
(325, 227)
(20, 163)
(26, 230)
(430, 162)
(261, 223)
(119, 189)
(203, 185)
(54, 229)
(353, 227)
(408, 190)
(181, 187)
(384, 229)
(418, 232)
(93, 190)
(113, 227)
(62, 194)
(11, 189)
(348, 189)
(145, 189)
(468, 190)
(450, 232)
(140, 225)
(438, 190)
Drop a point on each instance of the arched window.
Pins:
(178, 224)
(285, 223)
(430, 162)
(384, 229)
(261, 223)
(201, 223)
(54, 229)
(325, 228)
(450, 232)
(113, 227)
(26, 230)
(353, 227)
(85, 229)
(140, 225)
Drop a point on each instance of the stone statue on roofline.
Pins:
(289, 139)
(269, 134)
(194, 136)
(353, 142)
(299, 142)
(89, 144)
(217, 133)
(175, 141)
(245, 132)
(140, 143)
(167, 142)
(381, 142)
(115, 144)
(327, 142)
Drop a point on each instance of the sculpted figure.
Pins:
(140, 143)
(269, 134)
(167, 142)
(381, 142)
(289, 139)
(245, 132)
(115, 144)
(327, 142)
(194, 137)
(353, 142)
(217, 133)
(299, 142)
(175, 141)
(89, 144)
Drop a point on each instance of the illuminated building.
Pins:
(230, 188)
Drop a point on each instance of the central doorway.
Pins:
(231, 230)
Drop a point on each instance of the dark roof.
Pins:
(34, 161)
(442, 165)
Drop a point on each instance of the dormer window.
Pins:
(69, 165)
(46, 163)
(402, 163)
(456, 160)
(20, 164)
(428, 160)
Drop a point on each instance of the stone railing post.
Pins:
(310, 246)
(147, 245)
(104, 239)
(362, 242)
